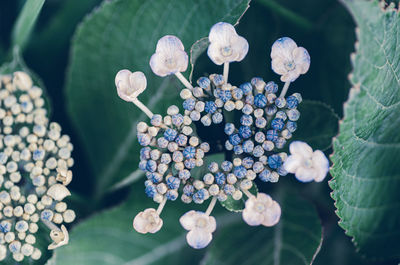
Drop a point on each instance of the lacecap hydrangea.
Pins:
(171, 150)
(35, 158)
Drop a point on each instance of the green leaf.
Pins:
(366, 173)
(238, 205)
(25, 22)
(123, 34)
(108, 238)
(317, 125)
(296, 239)
(195, 51)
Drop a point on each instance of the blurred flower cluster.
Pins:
(255, 139)
(34, 171)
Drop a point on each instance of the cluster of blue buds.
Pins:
(265, 122)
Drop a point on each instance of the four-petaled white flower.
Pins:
(130, 85)
(306, 164)
(59, 237)
(170, 56)
(147, 221)
(225, 44)
(288, 60)
(200, 227)
(261, 210)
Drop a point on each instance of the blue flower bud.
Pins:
(260, 100)
(274, 161)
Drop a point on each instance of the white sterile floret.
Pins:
(170, 56)
(59, 237)
(288, 60)
(58, 192)
(130, 85)
(200, 227)
(306, 164)
(225, 44)
(261, 210)
(147, 221)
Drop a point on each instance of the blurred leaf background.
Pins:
(325, 28)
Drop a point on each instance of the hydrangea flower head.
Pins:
(288, 60)
(226, 45)
(170, 57)
(306, 164)
(173, 154)
(34, 171)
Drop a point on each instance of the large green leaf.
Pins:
(108, 238)
(25, 22)
(317, 125)
(366, 155)
(296, 239)
(123, 34)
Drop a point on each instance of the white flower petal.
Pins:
(188, 220)
(170, 56)
(301, 149)
(138, 82)
(222, 33)
(250, 216)
(302, 59)
(290, 76)
(198, 238)
(211, 224)
(264, 198)
(306, 174)
(292, 163)
(272, 215)
(169, 44)
(241, 47)
(122, 78)
(58, 192)
(214, 53)
(321, 164)
(278, 66)
(283, 48)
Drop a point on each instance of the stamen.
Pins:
(161, 206)
(211, 205)
(226, 72)
(184, 81)
(142, 107)
(285, 89)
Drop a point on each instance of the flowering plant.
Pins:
(242, 146)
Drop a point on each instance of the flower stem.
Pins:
(51, 225)
(211, 205)
(226, 72)
(247, 192)
(184, 81)
(142, 107)
(161, 206)
(285, 89)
